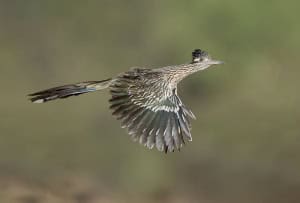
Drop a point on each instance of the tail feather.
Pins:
(68, 90)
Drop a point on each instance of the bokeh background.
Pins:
(246, 139)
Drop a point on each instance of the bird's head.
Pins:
(203, 60)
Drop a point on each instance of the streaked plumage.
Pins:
(145, 101)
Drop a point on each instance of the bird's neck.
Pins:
(174, 74)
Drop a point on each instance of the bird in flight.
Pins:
(145, 101)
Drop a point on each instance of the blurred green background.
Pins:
(246, 139)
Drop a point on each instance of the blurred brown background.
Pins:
(246, 139)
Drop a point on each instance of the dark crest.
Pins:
(199, 55)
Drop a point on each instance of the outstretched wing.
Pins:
(153, 118)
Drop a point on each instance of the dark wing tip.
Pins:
(161, 129)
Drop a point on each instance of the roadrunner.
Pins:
(145, 101)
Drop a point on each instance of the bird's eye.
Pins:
(199, 55)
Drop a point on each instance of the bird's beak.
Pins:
(215, 62)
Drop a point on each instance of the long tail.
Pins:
(68, 90)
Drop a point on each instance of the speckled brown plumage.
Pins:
(145, 101)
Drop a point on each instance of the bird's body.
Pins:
(145, 101)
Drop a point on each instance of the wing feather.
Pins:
(153, 120)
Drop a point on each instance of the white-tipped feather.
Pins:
(39, 101)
